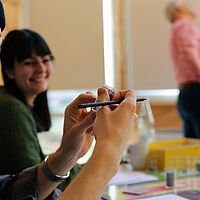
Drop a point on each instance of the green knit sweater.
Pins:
(19, 145)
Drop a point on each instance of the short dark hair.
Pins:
(17, 46)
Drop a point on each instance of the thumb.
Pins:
(102, 95)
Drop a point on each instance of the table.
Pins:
(192, 183)
(155, 188)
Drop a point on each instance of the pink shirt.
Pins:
(185, 50)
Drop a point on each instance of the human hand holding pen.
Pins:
(76, 141)
(123, 117)
(77, 124)
(112, 130)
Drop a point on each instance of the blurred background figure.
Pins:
(185, 52)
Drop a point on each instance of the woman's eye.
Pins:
(29, 63)
(46, 60)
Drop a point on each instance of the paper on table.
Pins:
(165, 197)
(122, 178)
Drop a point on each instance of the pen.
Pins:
(105, 103)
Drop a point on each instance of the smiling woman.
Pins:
(27, 64)
(17, 79)
(23, 101)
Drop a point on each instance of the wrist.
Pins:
(108, 156)
(60, 163)
(112, 150)
(51, 176)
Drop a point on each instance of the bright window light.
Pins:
(109, 71)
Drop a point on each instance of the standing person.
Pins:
(185, 51)
(27, 64)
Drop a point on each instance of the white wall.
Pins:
(74, 32)
(147, 39)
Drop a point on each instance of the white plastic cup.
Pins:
(138, 153)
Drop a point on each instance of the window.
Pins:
(109, 71)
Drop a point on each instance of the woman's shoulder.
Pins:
(9, 102)
(14, 111)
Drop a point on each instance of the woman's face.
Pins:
(32, 75)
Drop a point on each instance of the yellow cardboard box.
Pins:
(181, 153)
